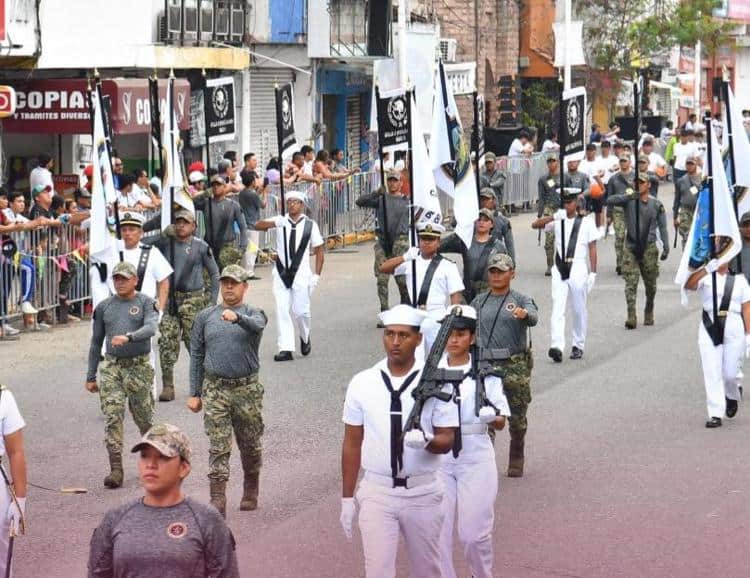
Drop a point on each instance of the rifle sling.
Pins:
(715, 329)
(570, 251)
(142, 264)
(424, 290)
(288, 274)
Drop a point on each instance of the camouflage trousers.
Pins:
(172, 327)
(229, 254)
(125, 380)
(400, 246)
(685, 218)
(618, 220)
(632, 270)
(232, 404)
(517, 386)
(549, 239)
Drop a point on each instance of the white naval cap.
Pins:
(295, 196)
(466, 316)
(403, 315)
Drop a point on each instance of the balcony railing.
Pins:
(200, 22)
(461, 77)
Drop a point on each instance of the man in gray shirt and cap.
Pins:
(492, 177)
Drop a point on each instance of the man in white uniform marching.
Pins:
(293, 279)
(469, 474)
(572, 275)
(400, 492)
(722, 345)
(439, 283)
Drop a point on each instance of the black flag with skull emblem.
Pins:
(573, 117)
(285, 119)
(218, 103)
(393, 119)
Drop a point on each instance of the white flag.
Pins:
(573, 50)
(424, 192)
(698, 249)
(103, 241)
(450, 159)
(174, 181)
(740, 152)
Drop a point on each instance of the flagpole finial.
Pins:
(203, 72)
(171, 73)
(96, 73)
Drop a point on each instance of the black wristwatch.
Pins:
(129, 336)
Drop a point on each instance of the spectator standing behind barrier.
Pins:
(251, 168)
(117, 169)
(142, 187)
(251, 200)
(42, 173)
(521, 146)
(164, 533)
(322, 170)
(130, 198)
(339, 162)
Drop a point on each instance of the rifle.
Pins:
(483, 365)
(433, 379)
(676, 234)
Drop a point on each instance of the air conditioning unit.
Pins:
(206, 22)
(221, 14)
(174, 18)
(191, 19)
(237, 29)
(448, 49)
(162, 35)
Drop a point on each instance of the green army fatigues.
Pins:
(179, 326)
(547, 204)
(619, 184)
(686, 190)
(400, 246)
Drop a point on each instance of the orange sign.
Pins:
(7, 101)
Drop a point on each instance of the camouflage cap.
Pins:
(393, 174)
(124, 269)
(644, 178)
(487, 193)
(643, 159)
(745, 218)
(185, 215)
(490, 157)
(168, 440)
(501, 261)
(234, 272)
(486, 213)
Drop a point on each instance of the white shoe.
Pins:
(42, 326)
(8, 330)
(28, 309)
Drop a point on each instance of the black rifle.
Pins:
(483, 364)
(433, 379)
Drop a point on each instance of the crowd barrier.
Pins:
(50, 265)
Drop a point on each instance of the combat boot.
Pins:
(167, 390)
(632, 321)
(515, 459)
(218, 490)
(648, 312)
(114, 479)
(250, 492)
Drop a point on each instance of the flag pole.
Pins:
(410, 159)
(477, 38)
(637, 117)
(562, 135)
(174, 159)
(476, 143)
(383, 180)
(712, 218)
(732, 166)
(280, 142)
(209, 196)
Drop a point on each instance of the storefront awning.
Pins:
(61, 106)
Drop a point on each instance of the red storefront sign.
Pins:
(61, 106)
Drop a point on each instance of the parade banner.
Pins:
(724, 228)
(153, 94)
(218, 106)
(394, 124)
(740, 150)
(572, 137)
(173, 183)
(103, 195)
(285, 120)
(450, 159)
(424, 192)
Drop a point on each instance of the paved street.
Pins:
(622, 479)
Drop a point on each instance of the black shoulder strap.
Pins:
(482, 262)
(142, 264)
(564, 267)
(716, 328)
(288, 274)
(424, 290)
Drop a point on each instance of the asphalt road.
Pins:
(622, 479)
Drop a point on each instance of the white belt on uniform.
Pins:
(407, 483)
(472, 429)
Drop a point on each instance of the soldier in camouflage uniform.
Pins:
(224, 377)
(548, 203)
(502, 229)
(686, 190)
(621, 183)
(640, 255)
(127, 320)
(222, 214)
(504, 317)
(392, 212)
(192, 257)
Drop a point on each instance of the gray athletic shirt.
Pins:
(188, 540)
(118, 316)
(224, 214)
(196, 254)
(508, 331)
(222, 348)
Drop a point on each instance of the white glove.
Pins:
(348, 511)
(280, 221)
(15, 515)
(712, 266)
(314, 280)
(487, 414)
(747, 345)
(417, 439)
(411, 254)
(590, 282)
(560, 214)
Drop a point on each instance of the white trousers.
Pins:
(251, 254)
(384, 514)
(470, 487)
(292, 310)
(4, 528)
(721, 364)
(575, 287)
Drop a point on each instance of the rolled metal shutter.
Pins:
(263, 111)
